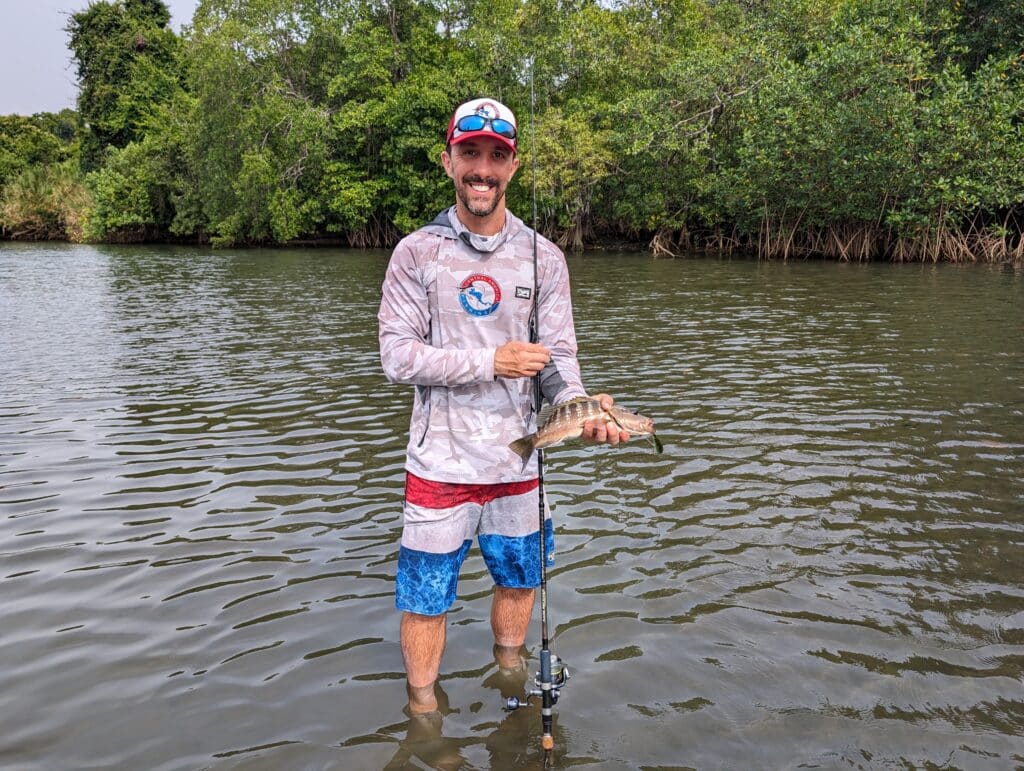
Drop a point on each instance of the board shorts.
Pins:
(440, 520)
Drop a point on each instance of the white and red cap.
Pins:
(485, 108)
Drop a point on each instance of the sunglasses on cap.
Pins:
(479, 122)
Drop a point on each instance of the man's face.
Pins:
(481, 169)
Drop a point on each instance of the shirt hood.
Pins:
(448, 225)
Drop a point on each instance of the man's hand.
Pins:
(604, 431)
(516, 359)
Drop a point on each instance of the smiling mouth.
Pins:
(481, 185)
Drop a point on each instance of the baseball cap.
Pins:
(494, 119)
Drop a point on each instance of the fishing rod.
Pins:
(553, 673)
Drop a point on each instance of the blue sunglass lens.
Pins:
(471, 123)
(504, 128)
(478, 122)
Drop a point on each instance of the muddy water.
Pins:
(200, 476)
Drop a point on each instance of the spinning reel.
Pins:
(560, 674)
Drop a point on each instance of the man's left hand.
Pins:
(604, 431)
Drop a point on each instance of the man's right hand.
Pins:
(516, 359)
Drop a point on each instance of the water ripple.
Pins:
(201, 469)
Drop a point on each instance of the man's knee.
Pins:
(513, 594)
(422, 621)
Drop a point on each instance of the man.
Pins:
(454, 322)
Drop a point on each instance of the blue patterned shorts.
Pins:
(441, 519)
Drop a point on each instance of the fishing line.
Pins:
(553, 673)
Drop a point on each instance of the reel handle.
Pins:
(512, 703)
(560, 674)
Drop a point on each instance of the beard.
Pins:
(480, 204)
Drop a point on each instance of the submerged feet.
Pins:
(422, 700)
(510, 677)
(510, 659)
(424, 738)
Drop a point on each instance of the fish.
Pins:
(558, 424)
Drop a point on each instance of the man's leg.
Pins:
(509, 543)
(510, 620)
(423, 640)
(438, 522)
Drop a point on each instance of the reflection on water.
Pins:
(200, 474)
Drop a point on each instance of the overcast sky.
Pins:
(36, 74)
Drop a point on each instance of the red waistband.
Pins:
(444, 495)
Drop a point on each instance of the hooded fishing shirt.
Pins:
(450, 299)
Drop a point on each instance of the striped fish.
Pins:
(558, 424)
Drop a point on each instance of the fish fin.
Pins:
(544, 415)
(657, 443)
(523, 447)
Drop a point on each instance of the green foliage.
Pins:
(260, 141)
(315, 117)
(141, 190)
(45, 201)
(855, 128)
(26, 142)
(970, 155)
(125, 194)
(828, 138)
(574, 160)
(127, 68)
(875, 127)
(63, 125)
(988, 29)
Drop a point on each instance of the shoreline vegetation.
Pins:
(844, 129)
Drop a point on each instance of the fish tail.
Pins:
(523, 447)
(657, 443)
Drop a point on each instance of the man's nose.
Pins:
(485, 166)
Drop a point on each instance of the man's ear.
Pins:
(446, 161)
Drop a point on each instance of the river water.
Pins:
(200, 483)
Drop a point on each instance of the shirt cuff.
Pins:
(568, 393)
(487, 365)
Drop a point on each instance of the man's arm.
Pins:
(404, 318)
(561, 379)
(405, 351)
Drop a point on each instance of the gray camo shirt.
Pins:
(450, 299)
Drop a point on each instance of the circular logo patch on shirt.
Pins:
(479, 295)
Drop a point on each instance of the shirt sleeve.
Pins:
(404, 332)
(560, 381)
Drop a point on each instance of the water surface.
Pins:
(200, 483)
